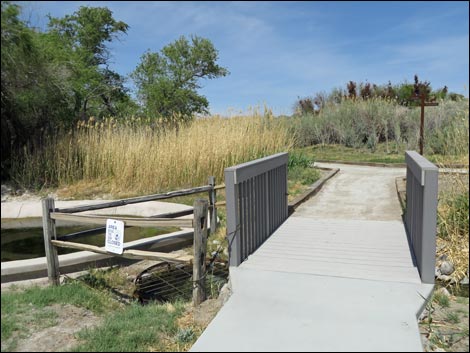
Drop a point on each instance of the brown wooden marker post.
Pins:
(423, 104)
(212, 205)
(48, 226)
(421, 127)
(200, 249)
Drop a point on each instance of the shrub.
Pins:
(366, 122)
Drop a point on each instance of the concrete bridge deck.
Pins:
(338, 275)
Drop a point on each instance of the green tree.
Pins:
(33, 90)
(50, 79)
(167, 82)
(82, 39)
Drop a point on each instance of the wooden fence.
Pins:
(198, 223)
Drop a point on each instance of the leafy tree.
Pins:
(50, 79)
(82, 39)
(33, 94)
(167, 82)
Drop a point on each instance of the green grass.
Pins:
(350, 154)
(125, 328)
(301, 174)
(442, 300)
(453, 317)
(135, 329)
(382, 154)
(70, 293)
(30, 307)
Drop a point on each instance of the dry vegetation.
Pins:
(362, 123)
(137, 158)
(453, 223)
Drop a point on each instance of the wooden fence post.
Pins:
(48, 226)
(212, 207)
(200, 248)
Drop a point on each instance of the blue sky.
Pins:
(279, 51)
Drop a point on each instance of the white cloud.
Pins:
(278, 51)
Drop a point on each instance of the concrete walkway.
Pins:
(356, 193)
(338, 275)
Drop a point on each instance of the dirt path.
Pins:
(60, 337)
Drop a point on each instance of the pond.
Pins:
(28, 243)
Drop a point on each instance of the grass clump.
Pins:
(453, 317)
(70, 293)
(135, 329)
(442, 300)
(453, 223)
(301, 173)
(454, 216)
(30, 307)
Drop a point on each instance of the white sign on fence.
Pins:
(114, 236)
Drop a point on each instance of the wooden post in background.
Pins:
(422, 98)
(48, 226)
(421, 128)
(200, 249)
(212, 207)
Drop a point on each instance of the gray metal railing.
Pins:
(256, 196)
(421, 212)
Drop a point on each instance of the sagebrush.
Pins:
(359, 123)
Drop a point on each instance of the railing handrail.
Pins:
(256, 203)
(418, 165)
(245, 170)
(421, 212)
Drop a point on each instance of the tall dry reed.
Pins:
(138, 159)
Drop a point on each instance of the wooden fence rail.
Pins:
(198, 223)
(129, 221)
(139, 199)
(127, 253)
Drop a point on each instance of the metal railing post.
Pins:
(428, 261)
(233, 218)
(421, 212)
